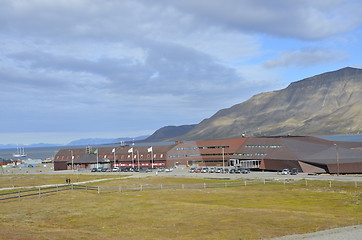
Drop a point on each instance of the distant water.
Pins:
(33, 153)
(343, 138)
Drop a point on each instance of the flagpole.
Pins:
(138, 159)
(152, 158)
(97, 158)
(114, 157)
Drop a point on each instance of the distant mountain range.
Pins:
(79, 142)
(326, 104)
(97, 141)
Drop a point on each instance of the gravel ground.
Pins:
(345, 233)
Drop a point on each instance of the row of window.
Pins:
(249, 154)
(204, 147)
(199, 155)
(129, 156)
(263, 146)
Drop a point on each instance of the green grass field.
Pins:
(251, 212)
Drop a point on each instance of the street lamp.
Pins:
(337, 158)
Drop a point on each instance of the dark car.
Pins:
(232, 171)
(94, 170)
(245, 171)
(294, 171)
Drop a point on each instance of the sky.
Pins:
(72, 69)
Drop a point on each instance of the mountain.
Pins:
(170, 132)
(97, 141)
(326, 104)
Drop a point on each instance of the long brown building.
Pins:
(307, 154)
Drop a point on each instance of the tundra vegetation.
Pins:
(254, 211)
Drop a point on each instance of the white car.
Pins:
(115, 169)
(168, 169)
(285, 171)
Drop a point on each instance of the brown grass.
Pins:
(24, 180)
(251, 212)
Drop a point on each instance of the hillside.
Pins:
(170, 132)
(326, 104)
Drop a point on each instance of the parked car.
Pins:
(115, 169)
(192, 170)
(212, 170)
(197, 170)
(168, 169)
(145, 170)
(294, 171)
(100, 169)
(245, 171)
(232, 171)
(94, 170)
(204, 170)
(238, 170)
(285, 171)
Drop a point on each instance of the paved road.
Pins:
(183, 172)
(346, 233)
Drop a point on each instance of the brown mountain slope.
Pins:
(330, 103)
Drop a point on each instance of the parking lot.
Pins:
(185, 172)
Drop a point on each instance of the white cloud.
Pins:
(306, 57)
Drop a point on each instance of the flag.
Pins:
(149, 149)
(113, 150)
(96, 151)
(130, 150)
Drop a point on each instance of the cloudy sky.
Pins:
(73, 69)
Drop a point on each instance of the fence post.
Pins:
(141, 187)
(226, 184)
(72, 186)
(355, 184)
(306, 183)
(161, 186)
(57, 188)
(330, 184)
(244, 182)
(264, 180)
(39, 191)
(183, 186)
(19, 196)
(98, 190)
(120, 188)
(204, 185)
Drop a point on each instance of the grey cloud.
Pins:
(302, 19)
(168, 68)
(306, 57)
